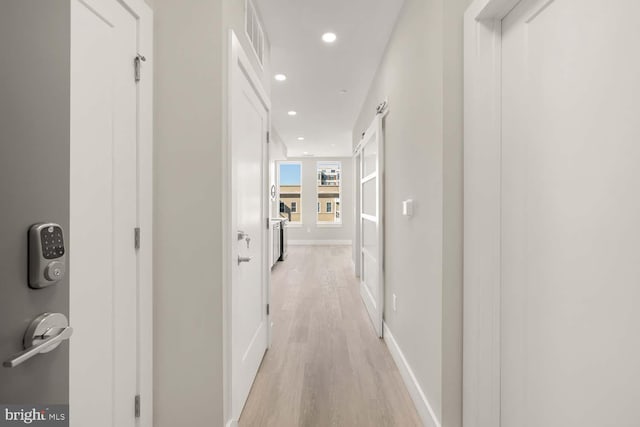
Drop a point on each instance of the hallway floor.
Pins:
(325, 367)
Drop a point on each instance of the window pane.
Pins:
(328, 190)
(370, 278)
(290, 183)
(370, 158)
(370, 237)
(370, 197)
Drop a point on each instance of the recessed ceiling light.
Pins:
(301, 138)
(280, 77)
(306, 152)
(292, 113)
(329, 37)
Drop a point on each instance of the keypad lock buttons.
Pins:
(47, 255)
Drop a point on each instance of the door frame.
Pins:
(144, 15)
(482, 211)
(237, 56)
(144, 123)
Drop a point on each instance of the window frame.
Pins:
(334, 167)
(298, 204)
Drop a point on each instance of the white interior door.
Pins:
(250, 263)
(104, 199)
(571, 214)
(371, 224)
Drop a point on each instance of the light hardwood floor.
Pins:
(325, 367)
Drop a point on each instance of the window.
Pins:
(328, 189)
(253, 28)
(290, 184)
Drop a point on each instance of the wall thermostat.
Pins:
(47, 255)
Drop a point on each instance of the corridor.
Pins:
(325, 366)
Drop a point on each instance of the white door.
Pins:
(250, 264)
(102, 257)
(571, 214)
(371, 225)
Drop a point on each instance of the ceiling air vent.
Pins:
(254, 30)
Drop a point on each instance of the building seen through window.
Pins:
(328, 190)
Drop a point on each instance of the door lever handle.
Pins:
(242, 259)
(42, 347)
(44, 334)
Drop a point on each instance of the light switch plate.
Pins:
(407, 207)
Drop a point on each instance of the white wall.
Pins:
(310, 231)
(188, 369)
(421, 75)
(190, 51)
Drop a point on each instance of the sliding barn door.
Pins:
(371, 224)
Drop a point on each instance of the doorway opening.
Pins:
(305, 338)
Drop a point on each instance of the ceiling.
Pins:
(317, 72)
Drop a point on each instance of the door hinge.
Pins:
(267, 309)
(268, 137)
(137, 65)
(268, 223)
(137, 406)
(136, 237)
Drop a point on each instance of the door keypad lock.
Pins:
(47, 255)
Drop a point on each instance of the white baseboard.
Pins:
(429, 418)
(319, 242)
(232, 423)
